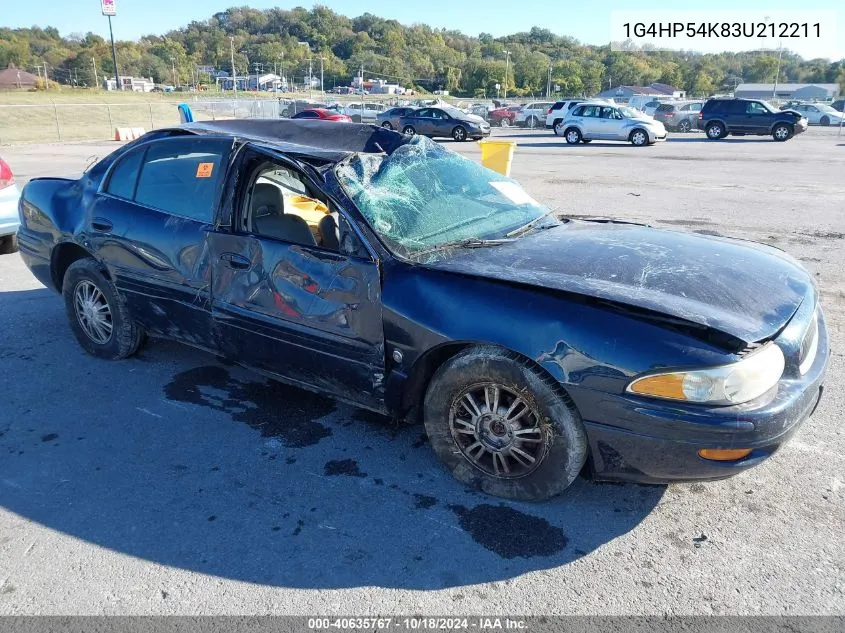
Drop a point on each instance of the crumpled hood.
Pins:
(744, 289)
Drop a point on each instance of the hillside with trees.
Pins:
(412, 55)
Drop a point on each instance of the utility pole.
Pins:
(38, 70)
(46, 78)
(96, 78)
(173, 65)
(549, 82)
(234, 75)
(507, 65)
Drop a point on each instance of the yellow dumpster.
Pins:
(497, 155)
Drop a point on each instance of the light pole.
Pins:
(173, 66)
(507, 65)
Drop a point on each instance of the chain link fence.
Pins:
(71, 121)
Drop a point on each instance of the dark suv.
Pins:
(720, 117)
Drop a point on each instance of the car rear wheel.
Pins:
(387, 126)
(500, 425)
(531, 122)
(8, 244)
(98, 314)
(409, 130)
(684, 126)
(573, 136)
(459, 133)
(715, 131)
(782, 132)
(638, 137)
(824, 121)
(558, 128)
(505, 122)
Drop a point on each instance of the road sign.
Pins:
(498, 86)
(109, 7)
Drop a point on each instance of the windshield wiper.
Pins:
(527, 227)
(469, 242)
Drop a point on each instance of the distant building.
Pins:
(14, 77)
(623, 94)
(135, 84)
(799, 92)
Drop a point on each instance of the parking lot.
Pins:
(172, 484)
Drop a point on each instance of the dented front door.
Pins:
(309, 315)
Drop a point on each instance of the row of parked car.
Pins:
(583, 121)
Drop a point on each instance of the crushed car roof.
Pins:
(329, 140)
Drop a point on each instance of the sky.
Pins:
(498, 17)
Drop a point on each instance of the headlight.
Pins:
(739, 382)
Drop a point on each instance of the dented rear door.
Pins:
(148, 225)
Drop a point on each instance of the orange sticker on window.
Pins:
(204, 170)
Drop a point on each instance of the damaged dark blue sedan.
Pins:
(391, 273)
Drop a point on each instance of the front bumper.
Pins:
(801, 126)
(658, 442)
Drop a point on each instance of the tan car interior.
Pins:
(282, 208)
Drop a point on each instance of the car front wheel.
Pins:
(824, 121)
(409, 130)
(573, 136)
(98, 314)
(459, 133)
(782, 132)
(639, 138)
(558, 128)
(505, 122)
(387, 126)
(500, 425)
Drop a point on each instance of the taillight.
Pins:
(669, 115)
(7, 178)
(549, 111)
(700, 116)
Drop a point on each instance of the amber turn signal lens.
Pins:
(662, 386)
(724, 454)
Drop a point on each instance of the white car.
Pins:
(594, 120)
(364, 112)
(9, 219)
(533, 114)
(820, 114)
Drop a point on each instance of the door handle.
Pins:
(102, 224)
(233, 260)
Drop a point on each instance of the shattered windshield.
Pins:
(423, 196)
